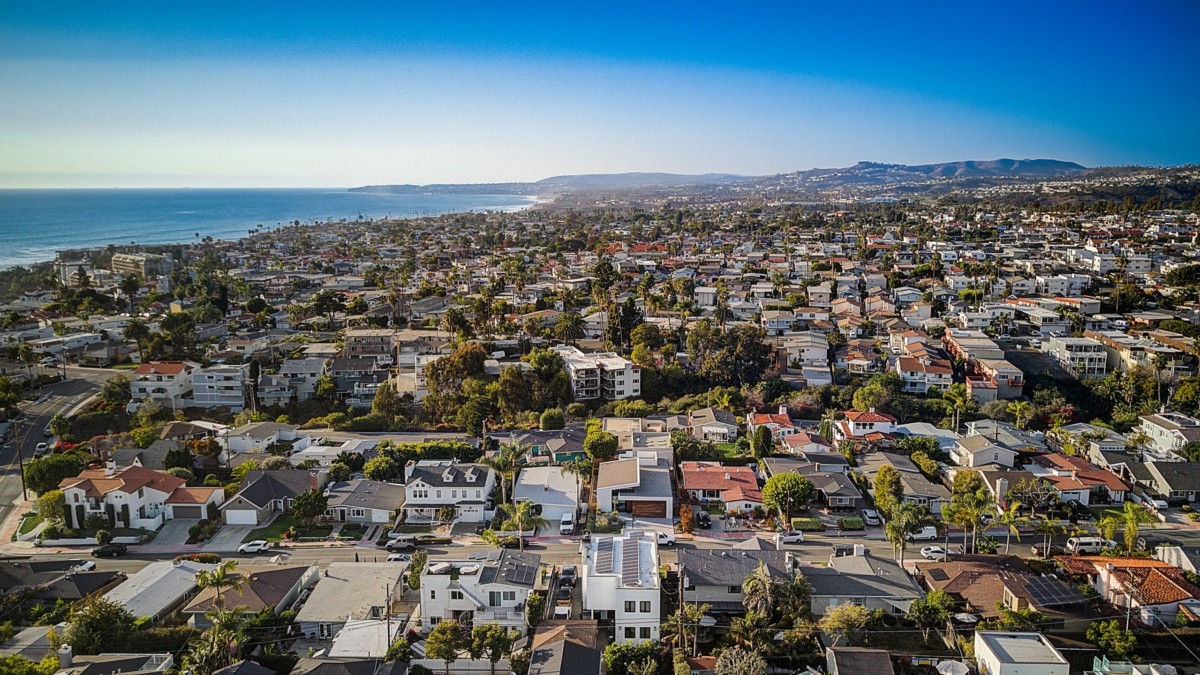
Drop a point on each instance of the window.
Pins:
(357, 513)
(510, 596)
(456, 595)
(454, 494)
(478, 494)
(438, 494)
(858, 601)
(432, 594)
(645, 607)
(630, 633)
(645, 632)
(735, 589)
(630, 606)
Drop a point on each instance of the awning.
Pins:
(901, 604)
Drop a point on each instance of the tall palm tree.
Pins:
(138, 331)
(521, 518)
(1011, 519)
(26, 355)
(1022, 411)
(220, 578)
(759, 591)
(957, 394)
(1047, 528)
(683, 625)
(906, 519)
(569, 327)
(751, 630)
(505, 463)
(1133, 516)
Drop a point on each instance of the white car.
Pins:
(872, 517)
(666, 539)
(927, 533)
(83, 565)
(40, 450)
(933, 553)
(792, 537)
(399, 557)
(256, 546)
(48, 361)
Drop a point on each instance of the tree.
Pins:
(734, 661)
(569, 327)
(310, 505)
(221, 578)
(179, 457)
(957, 395)
(19, 665)
(522, 518)
(1019, 620)
(26, 355)
(905, 519)
(759, 591)
(1011, 519)
(45, 473)
(116, 391)
(339, 472)
(889, 490)
(59, 425)
(552, 419)
(1116, 644)
(1133, 516)
(52, 506)
(416, 567)
(445, 641)
(387, 402)
(492, 642)
(98, 625)
(682, 625)
(1021, 411)
(761, 443)
(505, 463)
(381, 468)
(844, 621)
(931, 611)
(600, 445)
(785, 490)
(620, 658)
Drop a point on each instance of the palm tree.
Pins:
(906, 518)
(758, 591)
(957, 394)
(1137, 442)
(1134, 516)
(138, 331)
(220, 578)
(129, 285)
(752, 630)
(522, 518)
(1047, 528)
(1011, 519)
(683, 625)
(505, 463)
(26, 355)
(1159, 361)
(1022, 411)
(582, 468)
(569, 327)
(1108, 525)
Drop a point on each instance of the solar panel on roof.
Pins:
(604, 555)
(631, 562)
(1048, 592)
(938, 574)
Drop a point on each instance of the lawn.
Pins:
(729, 450)
(272, 531)
(1102, 511)
(30, 521)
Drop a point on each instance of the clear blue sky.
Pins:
(345, 93)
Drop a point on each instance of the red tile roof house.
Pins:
(135, 497)
(1155, 590)
(734, 486)
(1077, 478)
(865, 428)
(779, 423)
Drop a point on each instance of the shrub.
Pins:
(211, 558)
(808, 524)
(850, 523)
(103, 537)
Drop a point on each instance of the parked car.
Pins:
(934, 553)
(1076, 509)
(83, 565)
(1041, 551)
(927, 533)
(703, 520)
(513, 542)
(790, 537)
(666, 539)
(871, 517)
(256, 546)
(40, 450)
(48, 361)
(401, 542)
(568, 576)
(564, 594)
(399, 557)
(110, 549)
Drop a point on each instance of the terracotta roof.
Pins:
(97, 482)
(192, 495)
(870, 416)
(759, 419)
(162, 368)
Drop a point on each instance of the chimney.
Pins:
(66, 657)
(727, 477)
(312, 480)
(783, 409)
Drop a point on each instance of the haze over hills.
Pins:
(862, 173)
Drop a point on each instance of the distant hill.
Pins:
(862, 173)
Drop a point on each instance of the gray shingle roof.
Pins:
(366, 494)
(715, 567)
(262, 487)
(861, 576)
(458, 473)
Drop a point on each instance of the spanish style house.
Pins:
(135, 497)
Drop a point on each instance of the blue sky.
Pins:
(323, 94)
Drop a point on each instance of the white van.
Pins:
(566, 525)
(1086, 545)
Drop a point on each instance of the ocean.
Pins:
(36, 223)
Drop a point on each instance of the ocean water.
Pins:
(34, 224)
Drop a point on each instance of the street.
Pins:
(29, 430)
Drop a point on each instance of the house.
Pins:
(1000, 653)
(267, 493)
(620, 582)
(135, 497)
(370, 343)
(1083, 356)
(638, 482)
(220, 386)
(159, 589)
(977, 450)
(806, 349)
(923, 377)
(49, 581)
(493, 589)
(1077, 478)
(860, 578)
(1174, 481)
(600, 375)
(302, 375)
(917, 488)
(857, 661)
(735, 488)
(112, 664)
(803, 443)
(259, 437)
(152, 456)
(1152, 590)
(262, 587)
(363, 501)
(829, 473)
(433, 485)
(557, 446)
(863, 428)
(779, 424)
(982, 584)
(364, 638)
(714, 577)
(168, 383)
(713, 424)
(344, 666)
(553, 488)
(1168, 432)
(1008, 435)
(555, 652)
(350, 591)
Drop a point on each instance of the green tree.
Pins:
(492, 642)
(600, 445)
(19, 665)
(889, 490)
(339, 472)
(521, 517)
(416, 567)
(445, 641)
(905, 519)
(1021, 411)
(1019, 620)
(505, 462)
(382, 468)
(179, 457)
(1116, 644)
(45, 473)
(845, 621)
(60, 426)
(387, 403)
(1133, 516)
(98, 625)
(310, 505)
(620, 658)
(116, 391)
(569, 327)
(52, 506)
(221, 578)
(786, 490)
(761, 443)
(552, 419)
(735, 661)
(759, 591)
(931, 612)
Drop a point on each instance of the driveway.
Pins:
(175, 532)
(228, 538)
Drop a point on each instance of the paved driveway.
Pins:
(228, 538)
(175, 532)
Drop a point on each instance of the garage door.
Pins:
(241, 517)
(195, 511)
(648, 509)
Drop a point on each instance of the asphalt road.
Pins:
(29, 430)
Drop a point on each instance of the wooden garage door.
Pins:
(648, 509)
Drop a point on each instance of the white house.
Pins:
(302, 375)
(220, 386)
(553, 488)
(432, 485)
(135, 497)
(639, 482)
(620, 582)
(998, 653)
(167, 382)
(490, 590)
(978, 450)
(257, 437)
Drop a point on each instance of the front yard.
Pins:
(272, 531)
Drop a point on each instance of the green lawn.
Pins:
(728, 450)
(273, 531)
(1102, 511)
(29, 522)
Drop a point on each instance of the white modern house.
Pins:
(553, 488)
(257, 437)
(638, 482)
(492, 589)
(998, 653)
(620, 582)
(433, 485)
(168, 383)
(220, 386)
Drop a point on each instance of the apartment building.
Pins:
(168, 383)
(370, 343)
(1125, 352)
(1083, 356)
(220, 386)
(620, 583)
(142, 265)
(600, 374)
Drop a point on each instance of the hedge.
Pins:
(851, 523)
(808, 524)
